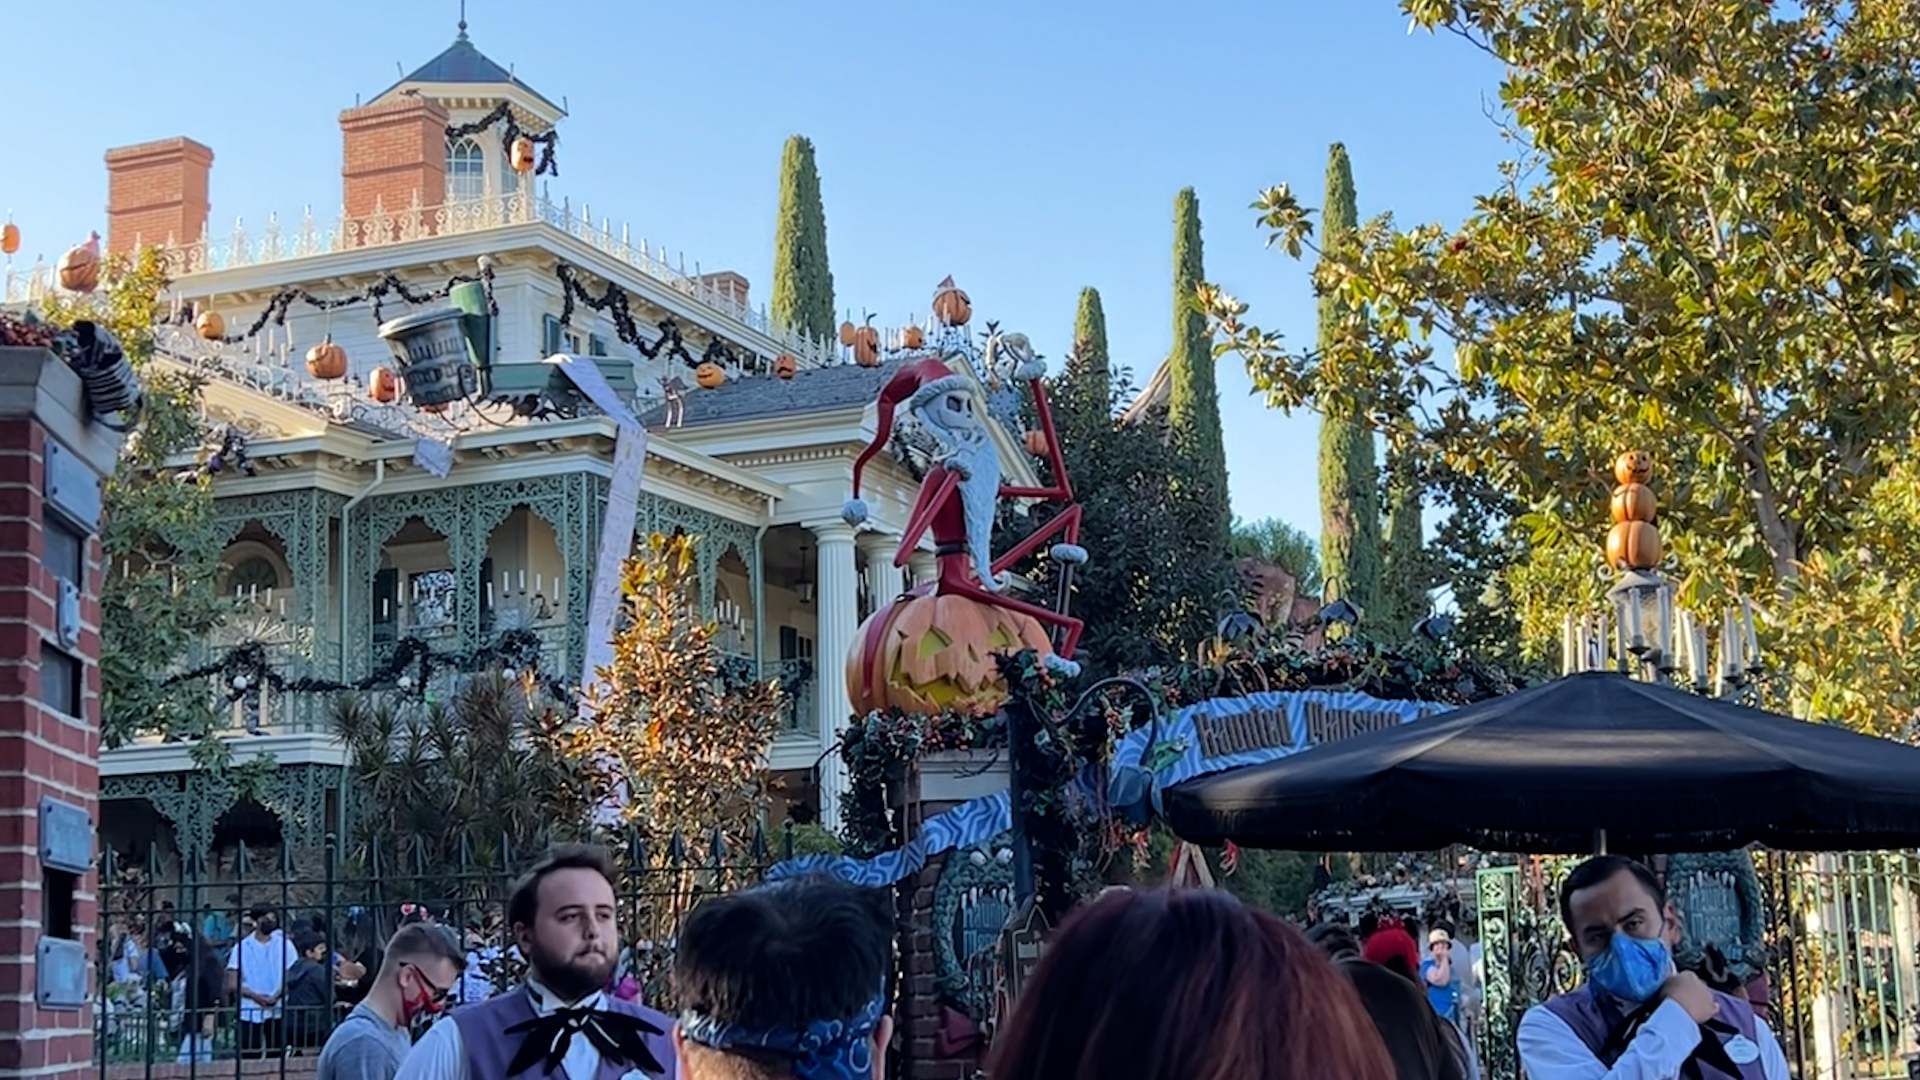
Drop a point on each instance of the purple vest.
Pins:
(1593, 1019)
(489, 1050)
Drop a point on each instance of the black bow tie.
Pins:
(620, 1038)
(1709, 1052)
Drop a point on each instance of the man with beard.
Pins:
(786, 980)
(561, 1025)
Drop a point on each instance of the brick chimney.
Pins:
(53, 455)
(727, 283)
(392, 150)
(157, 192)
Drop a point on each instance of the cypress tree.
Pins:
(1193, 399)
(1349, 467)
(1090, 338)
(802, 282)
(1404, 575)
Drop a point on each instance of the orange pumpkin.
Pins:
(866, 345)
(521, 155)
(210, 325)
(935, 654)
(950, 305)
(1633, 545)
(913, 338)
(1632, 502)
(847, 330)
(1037, 443)
(9, 238)
(785, 366)
(79, 268)
(1633, 467)
(710, 375)
(327, 360)
(383, 386)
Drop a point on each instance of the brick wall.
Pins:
(392, 152)
(296, 1068)
(728, 283)
(43, 752)
(156, 192)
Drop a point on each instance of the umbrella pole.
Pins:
(1599, 841)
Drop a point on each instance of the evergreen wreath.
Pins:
(511, 130)
(377, 294)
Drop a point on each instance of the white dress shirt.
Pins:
(1550, 1050)
(440, 1055)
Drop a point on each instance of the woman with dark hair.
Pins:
(206, 994)
(1422, 1046)
(1188, 984)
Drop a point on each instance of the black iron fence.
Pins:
(180, 954)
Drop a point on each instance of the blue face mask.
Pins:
(1632, 969)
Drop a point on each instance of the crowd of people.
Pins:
(794, 980)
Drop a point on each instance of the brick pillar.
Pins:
(729, 284)
(157, 192)
(51, 460)
(393, 152)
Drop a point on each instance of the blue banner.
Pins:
(1208, 737)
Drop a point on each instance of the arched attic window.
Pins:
(466, 170)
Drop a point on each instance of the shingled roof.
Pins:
(461, 63)
(843, 386)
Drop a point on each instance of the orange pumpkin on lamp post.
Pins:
(1633, 543)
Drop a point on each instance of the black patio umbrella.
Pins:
(1590, 760)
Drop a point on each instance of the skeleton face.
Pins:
(951, 416)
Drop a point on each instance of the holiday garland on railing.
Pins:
(376, 294)
(613, 303)
(511, 131)
(246, 668)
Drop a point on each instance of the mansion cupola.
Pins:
(397, 147)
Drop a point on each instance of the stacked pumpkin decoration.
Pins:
(79, 268)
(1634, 541)
(520, 155)
(935, 654)
(865, 341)
(951, 305)
(327, 360)
(383, 386)
(709, 375)
(210, 325)
(785, 366)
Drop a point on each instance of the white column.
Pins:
(883, 580)
(922, 567)
(837, 600)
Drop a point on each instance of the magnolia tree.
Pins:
(1704, 246)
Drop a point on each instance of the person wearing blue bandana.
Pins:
(1636, 1017)
(786, 981)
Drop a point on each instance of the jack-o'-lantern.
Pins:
(1037, 443)
(1633, 467)
(913, 338)
(211, 325)
(866, 345)
(936, 654)
(521, 156)
(1633, 502)
(710, 375)
(951, 305)
(9, 238)
(79, 268)
(327, 360)
(1633, 545)
(785, 366)
(383, 386)
(847, 331)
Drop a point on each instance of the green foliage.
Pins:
(161, 592)
(802, 281)
(1705, 249)
(1405, 576)
(1349, 467)
(1090, 337)
(1193, 398)
(1274, 541)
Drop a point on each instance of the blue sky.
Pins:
(1028, 149)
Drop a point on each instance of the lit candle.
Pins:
(269, 596)
(283, 607)
(523, 581)
(254, 595)
(386, 611)
(489, 594)
(539, 584)
(1752, 642)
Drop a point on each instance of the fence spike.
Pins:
(717, 847)
(676, 849)
(758, 846)
(786, 839)
(109, 864)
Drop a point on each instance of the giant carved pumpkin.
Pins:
(935, 654)
(951, 305)
(1633, 467)
(709, 375)
(383, 386)
(785, 366)
(912, 337)
(210, 325)
(520, 158)
(79, 268)
(327, 360)
(866, 345)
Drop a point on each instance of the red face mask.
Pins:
(426, 1000)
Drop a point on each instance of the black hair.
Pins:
(422, 942)
(523, 906)
(304, 941)
(1601, 868)
(1336, 939)
(785, 954)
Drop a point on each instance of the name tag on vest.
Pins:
(1742, 1050)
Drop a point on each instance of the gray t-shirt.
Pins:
(364, 1047)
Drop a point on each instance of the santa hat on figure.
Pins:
(916, 385)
